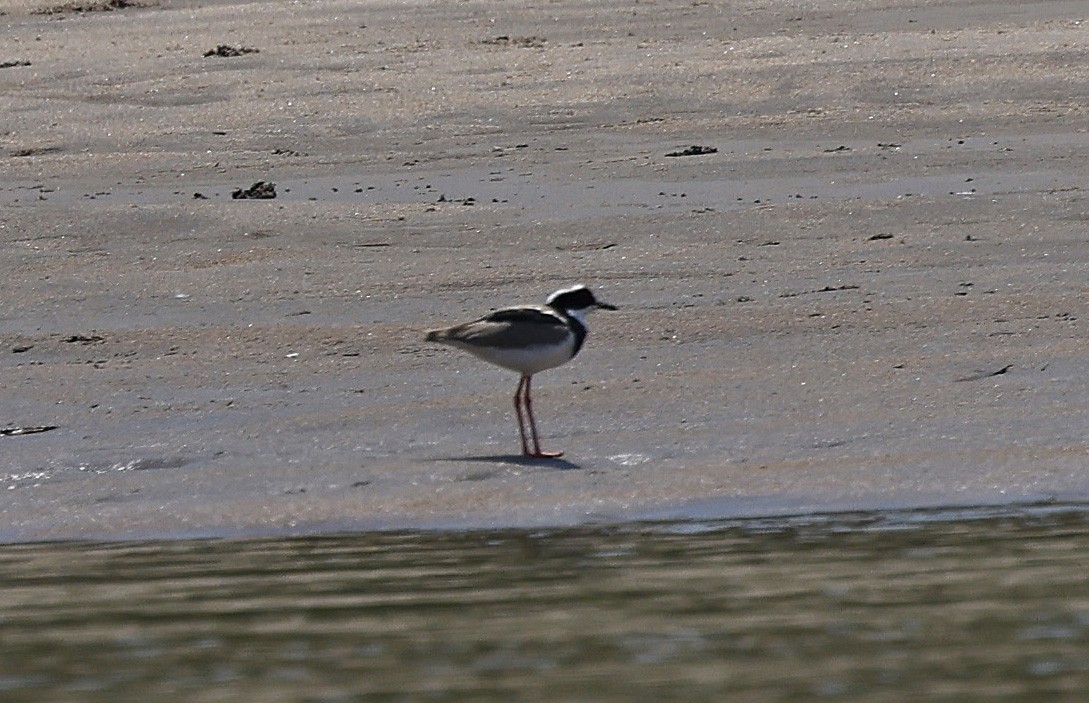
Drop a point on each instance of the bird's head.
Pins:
(577, 301)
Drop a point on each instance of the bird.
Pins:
(528, 340)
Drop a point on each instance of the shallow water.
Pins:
(955, 605)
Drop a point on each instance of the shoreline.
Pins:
(701, 518)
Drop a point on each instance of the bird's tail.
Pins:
(436, 336)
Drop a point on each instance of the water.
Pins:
(977, 605)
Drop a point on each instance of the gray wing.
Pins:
(511, 328)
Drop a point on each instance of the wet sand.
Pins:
(872, 294)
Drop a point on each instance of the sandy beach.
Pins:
(868, 288)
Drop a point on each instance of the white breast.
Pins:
(525, 360)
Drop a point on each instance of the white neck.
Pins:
(579, 315)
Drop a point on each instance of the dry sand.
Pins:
(873, 294)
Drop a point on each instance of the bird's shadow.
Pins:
(552, 463)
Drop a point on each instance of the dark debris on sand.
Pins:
(261, 190)
(694, 150)
(227, 51)
(100, 6)
(530, 42)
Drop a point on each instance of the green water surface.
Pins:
(974, 605)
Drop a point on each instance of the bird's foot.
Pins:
(543, 455)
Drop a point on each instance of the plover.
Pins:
(528, 340)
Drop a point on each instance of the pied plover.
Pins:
(528, 340)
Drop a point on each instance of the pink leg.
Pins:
(518, 413)
(533, 427)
